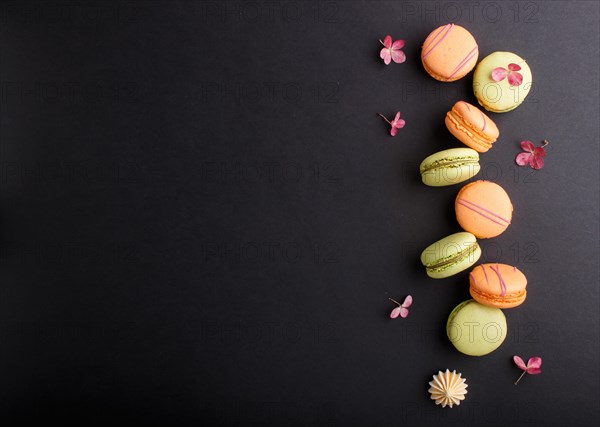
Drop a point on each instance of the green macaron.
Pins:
(449, 167)
(476, 329)
(502, 81)
(450, 255)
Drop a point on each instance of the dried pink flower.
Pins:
(514, 77)
(534, 366)
(402, 309)
(396, 124)
(391, 51)
(532, 155)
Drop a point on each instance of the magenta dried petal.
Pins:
(393, 131)
(523, 159)
(527, 146)
(539, 152)
(520, 363)
(534, 371)
(536, 162)
(515, 78)
(398, 44)
(403, 312)
(534, 362)
(407, 302)
(499, 74)
(399, 123)
(387, 41)
(514, 67)
(395, 312)
(398, 56)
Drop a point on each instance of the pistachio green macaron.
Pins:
(476, 329)
(508, 88)
(450, 255)
(449, 167)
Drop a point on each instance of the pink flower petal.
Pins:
(385, 55)
(396, 117)
(403, 312)
(394, 131)
(534, 371)
(523, 159)
(398, 44)
(514, 67)
(519, 362)
(395, 312)
(527, 146)
(515, 78)
(399, 123)
(407, 302)
(534, 362)
(398, 56)
(387, 41)
(499, 74)
(536, 162)
(539, 152)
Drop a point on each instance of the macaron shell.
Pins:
(449, 167)
(488, 283)
(471, 126)
(475, 329)
(449, 53)
(500, 97)
(457, 252)
(483, 208)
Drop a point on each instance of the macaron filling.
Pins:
(454, 162)
(477, 136)
(446, 262)
(507, 298)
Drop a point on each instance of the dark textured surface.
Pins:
(202, 218)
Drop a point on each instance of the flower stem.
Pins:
(519, 379)
(546, 142)
(384, 118)
(391, 299)
(381, 42)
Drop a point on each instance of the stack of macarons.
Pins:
(449, 53)
(483, 209)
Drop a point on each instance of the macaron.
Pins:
(498, 285)
(501, 96)
(483, 208)
(471, 126)
(449, 53)
(476, 329)
(450, 255)
(449, 167)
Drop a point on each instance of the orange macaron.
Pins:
(471, 126)
(449, 53)
(483, 208)
(498, 285)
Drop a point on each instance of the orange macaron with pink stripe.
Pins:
(449, 53)
(471, 126)
(498, 285)
(483, 209)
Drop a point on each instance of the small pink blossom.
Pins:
(402, 309)
(534, 366)
(391, 51)
(396, 124)
(532, 155)
(514, 77)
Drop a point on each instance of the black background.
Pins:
(202, 217)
